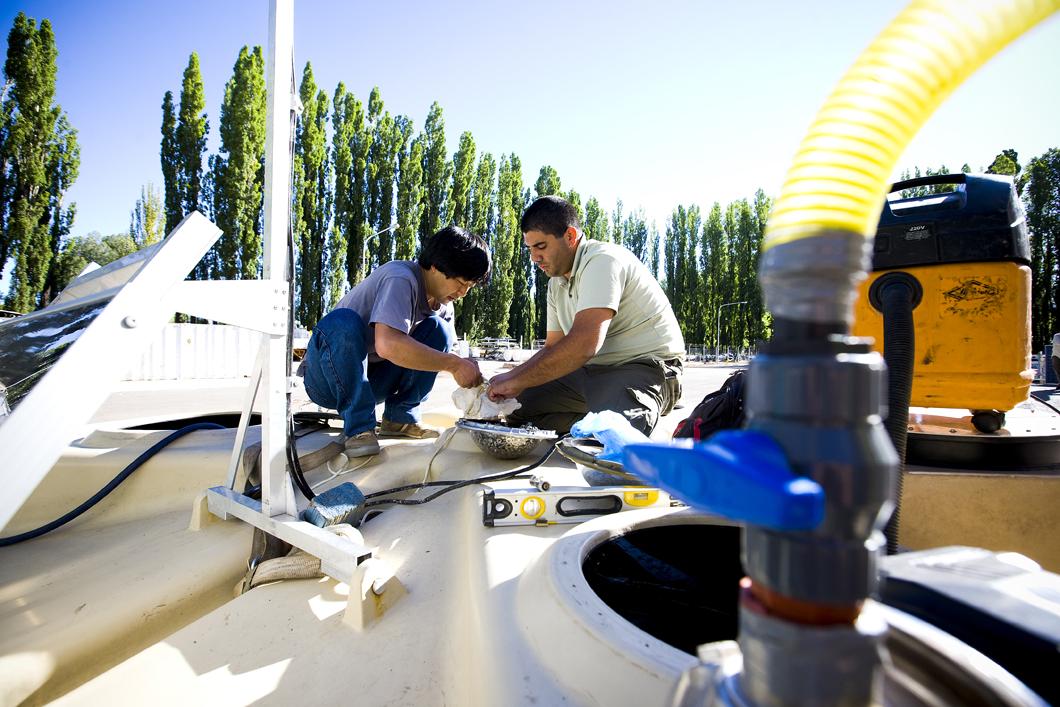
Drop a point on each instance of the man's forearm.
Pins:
(409, 353)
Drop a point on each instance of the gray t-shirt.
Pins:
(1056, 344)
(395, 295)
(610, 276)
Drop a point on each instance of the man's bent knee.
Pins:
(436, 333)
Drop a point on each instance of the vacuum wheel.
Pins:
(988, 421)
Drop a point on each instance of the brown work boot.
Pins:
(408, 429)
(364, 444)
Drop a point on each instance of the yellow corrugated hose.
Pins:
(842, 170)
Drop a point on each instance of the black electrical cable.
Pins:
(454, 485)
(114, 483)
(427, 484)
(295, 465)
(504, 475)
(1046, 403)
(315, 417)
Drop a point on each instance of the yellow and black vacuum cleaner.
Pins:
(962, 259)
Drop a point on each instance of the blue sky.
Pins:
(688, 102)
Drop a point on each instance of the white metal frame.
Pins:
(277, 513)
(33, 436)
(81, 379)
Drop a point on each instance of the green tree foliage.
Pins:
(170, 163)
(190, 142)
(511, 201)
(595, 224)
(1007, 162)
(63, 163)
(616, 224)
(547, 184)
(740, 224)
(1041, 199)
(79, 251)
(146, 221)
(714, 258)
(463, 174)
(351, 142)
(484, 197)
(6, 109)
(635, 233)
(758, 322)
(192, 129)
(682, 275)
(342, 166)
(382, 171)
(311, 215)
(506, 242)
(655, 249)
(385, 173)
(691, 278)
(239, 171)
(411, 197)
(575, 200)
(436, 173)
(389, 140)
(483, 203)
(39, 158)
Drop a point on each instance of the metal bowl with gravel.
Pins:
(503, 442)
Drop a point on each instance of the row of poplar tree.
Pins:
(378, 188)
(368, 188)
(39, 160)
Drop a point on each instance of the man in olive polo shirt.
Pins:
(612, 341)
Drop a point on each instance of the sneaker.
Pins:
(408, 429)
(364, 444)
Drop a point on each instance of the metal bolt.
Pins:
(129, 322)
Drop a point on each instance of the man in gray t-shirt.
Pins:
(386, 340)
(612, 340)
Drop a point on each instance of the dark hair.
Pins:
(456, 253)
(551, 215)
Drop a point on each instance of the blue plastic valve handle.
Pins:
(738, 474)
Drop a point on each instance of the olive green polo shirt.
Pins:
(608, 275)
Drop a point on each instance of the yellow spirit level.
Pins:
(505, 505)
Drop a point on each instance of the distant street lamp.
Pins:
(364, 250)
(717, 340)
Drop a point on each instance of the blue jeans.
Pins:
(339, 376)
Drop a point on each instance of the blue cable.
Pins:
(114, 483)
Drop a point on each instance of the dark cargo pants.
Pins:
(641, 391)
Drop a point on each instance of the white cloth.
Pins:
(476, 403)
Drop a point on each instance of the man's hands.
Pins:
(504, 386)
(466, 372)
(402, 350)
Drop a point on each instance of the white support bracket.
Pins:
(260, 305)
(339, 556)
(244, 419)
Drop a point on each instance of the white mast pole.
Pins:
(277, 495)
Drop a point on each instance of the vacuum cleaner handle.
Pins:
(958, 178)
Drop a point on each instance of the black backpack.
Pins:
(720, 410)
